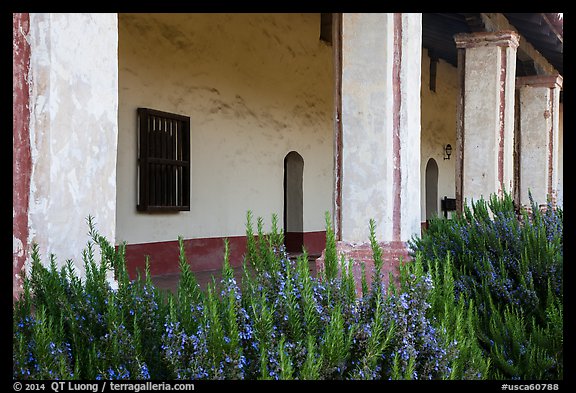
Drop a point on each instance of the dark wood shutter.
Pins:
(163, 161)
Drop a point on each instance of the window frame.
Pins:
(163, 161)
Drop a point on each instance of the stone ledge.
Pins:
(506, 38)
(550, 81)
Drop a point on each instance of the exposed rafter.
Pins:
(541, 44)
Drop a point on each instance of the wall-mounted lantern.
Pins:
(447, 151)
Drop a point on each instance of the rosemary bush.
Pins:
(67, 328)
(281, 322)
(507, 265)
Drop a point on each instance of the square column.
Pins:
(539, 97)
(377, 144)
(485, 120)
(73, 131)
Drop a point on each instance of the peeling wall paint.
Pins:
(490, 64)
(481, 120)
(366, 125)
(22, 162)
(73, 131)
(372, 87)
(540, 145)
(535, 143)
(256, 86)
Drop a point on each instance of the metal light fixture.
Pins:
(447, 151)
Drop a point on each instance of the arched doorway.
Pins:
(293, 202)
(431, 189)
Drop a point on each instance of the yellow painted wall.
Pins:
(256, 86)
(439, 126)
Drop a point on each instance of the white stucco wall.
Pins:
(535, 143)
(411, 124)
(256, 86)
(367, 48)
(485, 95)
(368, 93)
(73, 130)
(439, 127)
(481, 122)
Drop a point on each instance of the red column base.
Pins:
(392, 253)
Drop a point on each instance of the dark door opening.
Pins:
(431, 189)
(293, 202)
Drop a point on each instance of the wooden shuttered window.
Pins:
(163, 161)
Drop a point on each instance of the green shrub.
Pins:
(281, 322)
(507, 265)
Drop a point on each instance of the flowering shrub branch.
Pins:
(481, 298)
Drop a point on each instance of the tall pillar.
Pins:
(485, 128)
(22, 162)
(539, 98)
(377, 149)
(73, 131)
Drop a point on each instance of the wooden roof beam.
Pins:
(475, 22)
(553, 28)
(496, 22)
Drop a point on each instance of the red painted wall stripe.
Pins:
(460, 134)
(501, 117)
(22, 160)
(337, 47)
(396, 108)
(551, 144)
(202, 254)
(315, 242)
